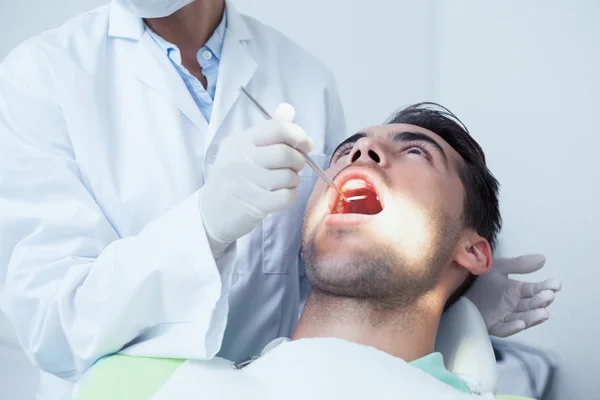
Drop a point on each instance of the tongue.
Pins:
(362, 202)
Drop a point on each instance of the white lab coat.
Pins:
(102, 155)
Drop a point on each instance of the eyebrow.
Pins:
(418, 137)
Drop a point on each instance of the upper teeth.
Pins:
(354, 198)
(354, 184)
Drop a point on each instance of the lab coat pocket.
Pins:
(282, 231)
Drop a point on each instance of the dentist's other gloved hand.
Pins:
(509, 306)
(255, 174)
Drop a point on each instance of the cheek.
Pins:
(316, 195)
(423, 185)
(415, 235)
(317, 202)
(410, 225)
(317, 206)
(321, 186)
(415, 220)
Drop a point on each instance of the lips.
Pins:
(363, 190)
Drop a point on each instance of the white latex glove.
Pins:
(509, 306)
(255, 174)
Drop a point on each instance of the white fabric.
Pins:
(254, 175)
(309, 369)
(153, 8)
(465, 344)
(103, 155)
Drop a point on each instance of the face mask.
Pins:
(153, 8)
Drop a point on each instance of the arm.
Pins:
(73, 289)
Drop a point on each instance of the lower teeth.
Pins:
(340, 207)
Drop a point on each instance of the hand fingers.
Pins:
(541, 300)
(267, 191)
(506, 329)
(531, 318)
(520, 265)
(553, 284)
(280, 199)
(285, 112)
(279, 156)
(281, 132)
(531, 289)
(280, 179)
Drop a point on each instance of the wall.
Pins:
(381, 59)
(521, 75)
(524, 78)
(22, 19)
(18, 378)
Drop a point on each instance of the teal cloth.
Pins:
(433, 364)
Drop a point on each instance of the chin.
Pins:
(344, 239)
(348, 265)
(340, 276)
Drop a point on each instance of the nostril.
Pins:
(374, 156)
(356, 156)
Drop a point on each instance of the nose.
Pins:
(367, 150)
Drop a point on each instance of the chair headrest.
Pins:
(464, 342)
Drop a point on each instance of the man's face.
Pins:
(403, 220)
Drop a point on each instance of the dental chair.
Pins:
(464, 341)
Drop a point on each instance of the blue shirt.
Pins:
(208, 58)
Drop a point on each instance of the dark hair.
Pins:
(481, 209)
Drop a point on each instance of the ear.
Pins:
(474, 254)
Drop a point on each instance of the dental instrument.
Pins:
(311, 163)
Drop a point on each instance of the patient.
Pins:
(420, 226)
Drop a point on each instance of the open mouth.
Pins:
(362, 198)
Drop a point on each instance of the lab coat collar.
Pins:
(236, 26)
(124, 24)
(236, 69)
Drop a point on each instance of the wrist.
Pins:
(217, 246)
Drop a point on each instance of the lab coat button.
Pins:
(207, 55)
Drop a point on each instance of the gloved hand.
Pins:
(509, 306)
(254, 174)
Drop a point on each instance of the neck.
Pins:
(191, 27)
(408, 333)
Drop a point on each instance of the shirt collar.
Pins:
(214, 43)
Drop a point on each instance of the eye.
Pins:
(418, 149)
(342, 151)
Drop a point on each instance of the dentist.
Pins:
(146, 207)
